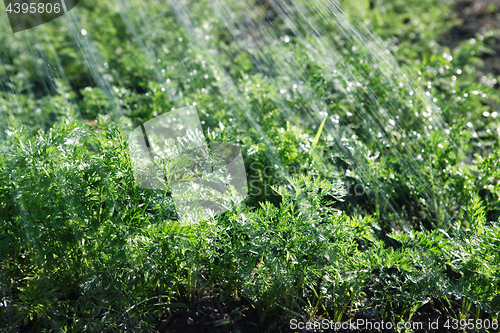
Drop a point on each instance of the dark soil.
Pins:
(211, 315)
(477, 16)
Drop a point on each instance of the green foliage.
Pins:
(84, 248)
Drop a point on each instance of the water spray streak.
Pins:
(273, 45)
